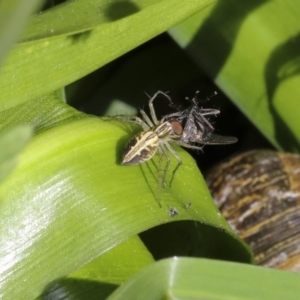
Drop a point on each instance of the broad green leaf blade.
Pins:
(74, 200)
(251, 51)
(13, 16)
(99, 278)
(50, 63)
(187, 278)
(12, 143)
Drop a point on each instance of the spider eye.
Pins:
(176, 127)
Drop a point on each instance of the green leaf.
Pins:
(208, 279)
(62, 49)
(251, 51)
(12, 143)
(13, 16)
(99, 278)
(74, 201)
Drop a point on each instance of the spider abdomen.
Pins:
(140, 148)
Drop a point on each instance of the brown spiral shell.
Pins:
(258, 192)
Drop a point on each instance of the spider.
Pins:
(156, 136)
(196, 128)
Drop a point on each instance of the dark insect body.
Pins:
(196, 128)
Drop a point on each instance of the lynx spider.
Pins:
(156, 136)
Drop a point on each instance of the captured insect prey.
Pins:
(195, 126)
(184, 128)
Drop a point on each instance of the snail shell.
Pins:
(258, 192)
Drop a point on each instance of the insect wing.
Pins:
(215, 139)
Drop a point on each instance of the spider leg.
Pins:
(160, 176)
(185, 145)
(152, 111)
(201, 119)
(130, 119)
(147, 119)
(165, 152)
(179, 161)
(173, 115)
(209, 111)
